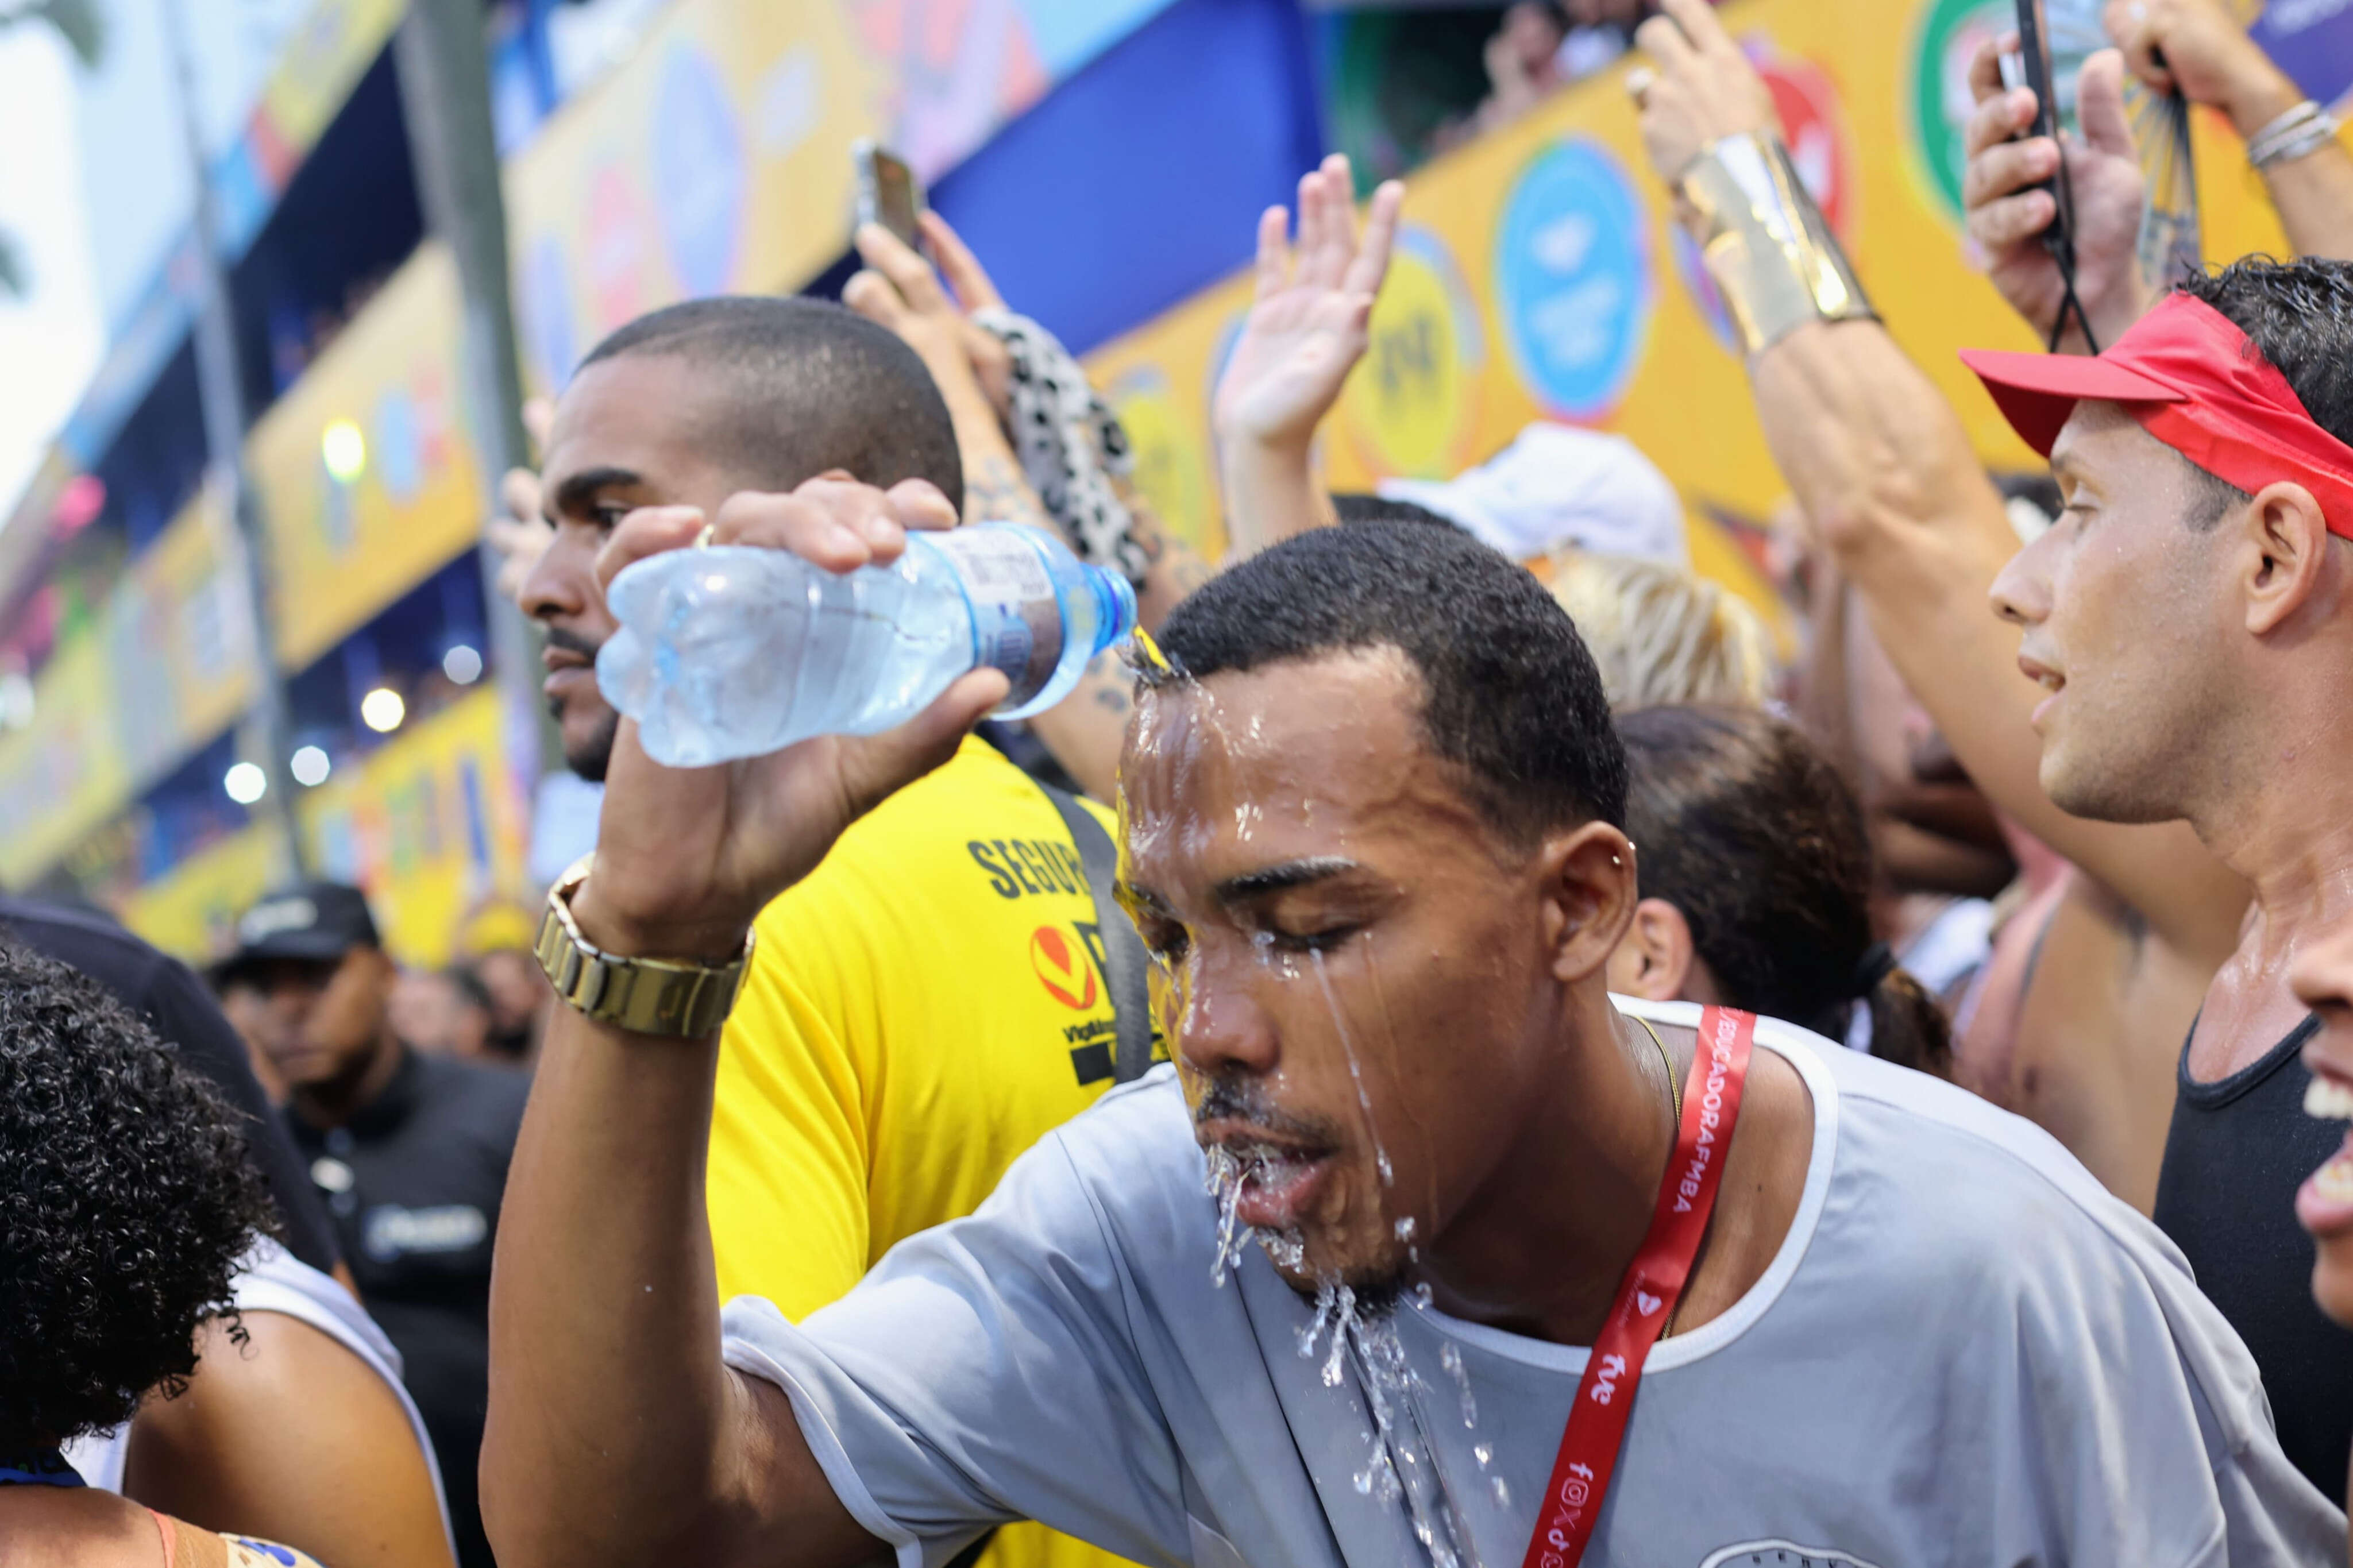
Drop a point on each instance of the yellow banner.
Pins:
(64, 773)
(1540, 276)
(182, 646)
(427, 824)
(366, 477)
(716, 161)
(191, 912)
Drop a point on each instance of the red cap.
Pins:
(2196, 383)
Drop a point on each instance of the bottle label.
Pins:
(1016, 620)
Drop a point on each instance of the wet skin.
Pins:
(1318, 888)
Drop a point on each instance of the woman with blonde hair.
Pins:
(1663, 634)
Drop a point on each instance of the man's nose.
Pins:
(562, 584)
(2021, 591)
(1219, 1027)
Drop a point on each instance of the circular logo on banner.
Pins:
(547, 313)
(1823, 152)
(698, 156)
(1170, 465)
(1572, 279)
(1406, 408)
(1064, 968)
(1950, 34)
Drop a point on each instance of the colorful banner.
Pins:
(366, 479)
(427, 824)
(716, 160)
(1539, 276)
(191, 912)
(64, 773)
(180, 640)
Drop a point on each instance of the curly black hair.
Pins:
(126, 1200)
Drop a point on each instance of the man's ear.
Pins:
(2289, 559)
(1655, 958)
(1589, 892)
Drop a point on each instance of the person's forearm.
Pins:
(1086, 729)
(1879, 462)
(1271, 494)
(2313, 195)
(611, 1430)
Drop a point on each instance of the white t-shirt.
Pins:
(271, 1279)
(1965, 1353)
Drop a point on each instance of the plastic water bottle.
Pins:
(732, 651)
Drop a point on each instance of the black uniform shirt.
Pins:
(413, 1182)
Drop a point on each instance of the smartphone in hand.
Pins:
(888, 191)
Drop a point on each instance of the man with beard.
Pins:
(1371, 831)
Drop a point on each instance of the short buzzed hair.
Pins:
(1509, 692)
(818, 386)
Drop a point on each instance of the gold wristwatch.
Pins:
(645, 995)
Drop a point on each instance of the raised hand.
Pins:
(1306, 327)
(2007, 217)
(519, 534)
(899, 289)
(686, 856)
(2195, 49)
(1696, 89)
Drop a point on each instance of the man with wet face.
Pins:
(1370, 831)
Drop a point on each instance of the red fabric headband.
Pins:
(2197, 384)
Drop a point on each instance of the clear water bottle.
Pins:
(732, 651)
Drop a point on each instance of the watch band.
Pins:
(676, 997)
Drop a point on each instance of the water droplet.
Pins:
(1405, 1228)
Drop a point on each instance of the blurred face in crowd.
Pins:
(430, 1011)
(1356, 970)
(518, 988)
(2126, 620)
(627, 435)
(323, 1019)
(2322, 978)
(1931, 829)
(249, 1012)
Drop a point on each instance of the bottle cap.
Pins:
(1115, 598)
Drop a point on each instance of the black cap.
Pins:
(317, 921)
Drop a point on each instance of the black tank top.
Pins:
(2238, 1150)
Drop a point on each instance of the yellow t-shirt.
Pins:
(919, 1011)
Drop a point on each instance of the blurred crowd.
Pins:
(1459, 966)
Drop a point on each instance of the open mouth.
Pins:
(1278, 1181)
(2049, 679)
(2324, 1205)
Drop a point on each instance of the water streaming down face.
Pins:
(1352, 1329)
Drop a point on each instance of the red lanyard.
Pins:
(1647, 1296)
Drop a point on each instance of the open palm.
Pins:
(1306, 327)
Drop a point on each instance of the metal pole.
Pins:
(444, 90)
(221, 392)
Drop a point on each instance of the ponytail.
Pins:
(1907, 1027)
